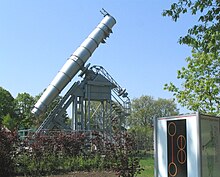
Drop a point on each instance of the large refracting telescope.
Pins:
(75, 63)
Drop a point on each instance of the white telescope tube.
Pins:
(75, 63)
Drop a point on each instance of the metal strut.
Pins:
(118, 90)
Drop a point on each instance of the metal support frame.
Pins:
(97, 87)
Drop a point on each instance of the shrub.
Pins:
(8, 146)
(124, 156)
(61, 153)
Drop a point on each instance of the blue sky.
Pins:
(142, 54)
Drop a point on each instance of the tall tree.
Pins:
(165, 107)
(204, 36)
(23, 104)
(200, 86)
(6, 104)
(144, 110)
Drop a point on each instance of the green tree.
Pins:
(165, 107)
(23, 104)
(200, 86)
(6, 104)
(204, 36)
(144, 110)
(10, 122)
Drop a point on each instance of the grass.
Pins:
(148, 165)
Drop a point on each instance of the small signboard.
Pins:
(187, 146)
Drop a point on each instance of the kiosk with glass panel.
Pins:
(187, 146)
